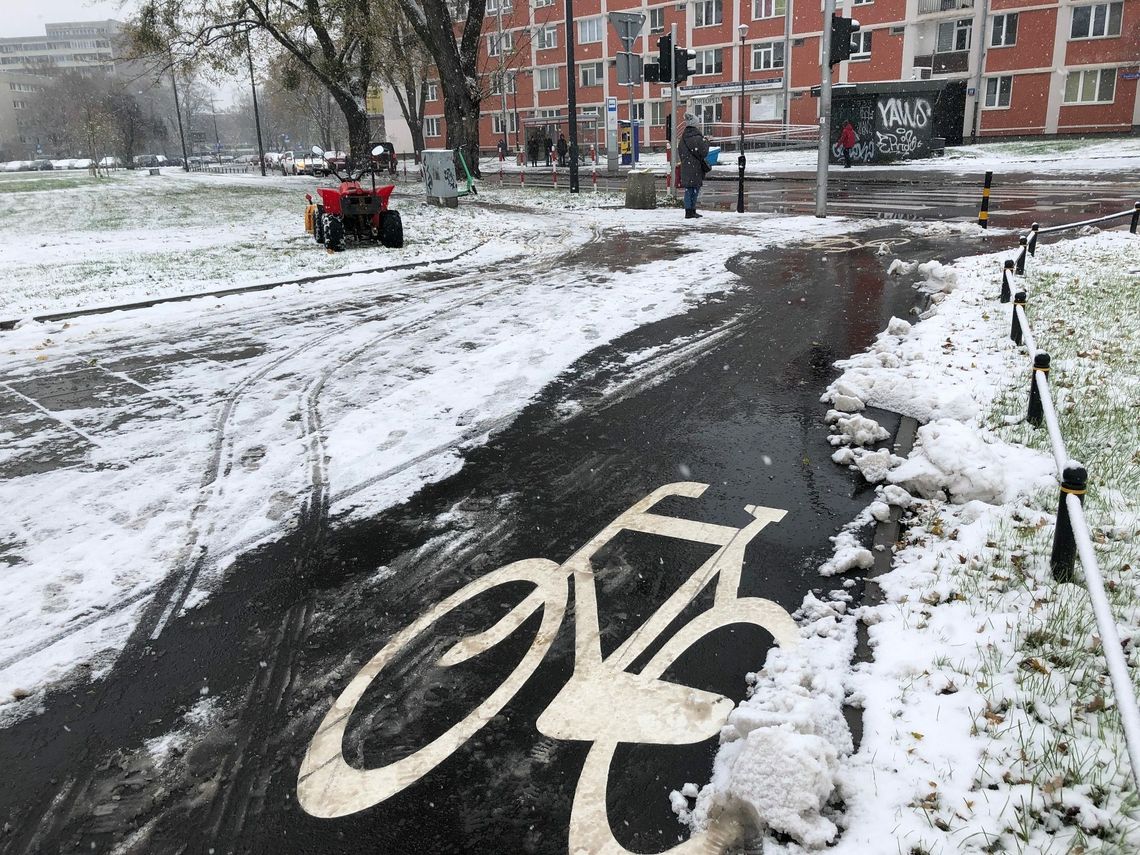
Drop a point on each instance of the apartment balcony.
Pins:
(955, 62)
(931, 7)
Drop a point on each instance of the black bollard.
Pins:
(1023, 241)
(1135, 218)
(1033, 239)
(1040, 364)
(1074, 480)
(984, 213)
(1006, 272)
(1015, 331)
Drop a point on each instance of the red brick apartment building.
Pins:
(1047, 66)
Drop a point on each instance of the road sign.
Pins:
(628, 26)
(611, 134)
(630, 69)
(198, 136)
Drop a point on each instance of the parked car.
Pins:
(110, 162)
(147, 160)
(41, 165)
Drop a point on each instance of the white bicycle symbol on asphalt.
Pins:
(652, 710)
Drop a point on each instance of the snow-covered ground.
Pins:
(989, 721)
(208, 434)
(1054, 156)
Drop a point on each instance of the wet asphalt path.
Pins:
(1018, 199)
(725, 395)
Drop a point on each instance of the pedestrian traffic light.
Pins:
(652, 72)
(842, 29)
(665, 59)
(681, 67)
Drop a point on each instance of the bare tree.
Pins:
(404, 65)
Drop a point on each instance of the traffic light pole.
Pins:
(571, 95)
(673, 113)
(824, 112)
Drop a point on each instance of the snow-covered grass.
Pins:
(989, 721)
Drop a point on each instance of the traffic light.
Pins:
(681, 68)
(842, 29)
(665, 59)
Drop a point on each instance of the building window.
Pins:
(496, 83)
(1097, 86)
(1096, 22)
(768, 9)
(589, 30)
(590, 74)
(708, 62)
(711, 114)
(493, 6)
(658, 110)
(954, 36)
(1004, 32)
(767, 55)
(458, 9)
(998, 90)
(431, 127)
(861, 44)
(433, 92)
(709, 13)
(495, 40)
(547, 38)
(497, 123)
(657, 20)
(548, 78)
(863, 2)
(538, 4)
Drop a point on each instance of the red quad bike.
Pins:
(353, 211)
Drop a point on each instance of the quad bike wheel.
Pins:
(391, 229)
(334, 232)
(319, 225)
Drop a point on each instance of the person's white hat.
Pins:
(691, 119)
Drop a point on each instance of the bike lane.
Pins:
(726, 395)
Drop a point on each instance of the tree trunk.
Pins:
(461, 112)
(359, 129)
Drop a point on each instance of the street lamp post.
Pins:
(743, 29)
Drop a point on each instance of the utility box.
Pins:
(640, 190)
(898, 121)
(440, 182)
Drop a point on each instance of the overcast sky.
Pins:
(27, 17)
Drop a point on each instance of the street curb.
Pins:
(10, 324)
(886, 536)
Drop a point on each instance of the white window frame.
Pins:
(497, 123)
(547, 37)
(764, 9)
(767, 56)
(496, 83)
(716, 55)
(992, 99)
(543, 77)
(432, 92)
(657, 20)
(960, 27)
(590, 30)
(708, 13)
(711, 114)
(863, 40)
(862, 2)
(431, 126)
(1000, 35)
(598, 72)
(1105, 22)
(494, 41)
(658, 110)
(1083, 75)
(538, 4)
(493, 6)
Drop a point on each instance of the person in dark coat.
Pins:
(532, 150)
(693, 148)
(547, 147)
(563, 148)
(847, 140)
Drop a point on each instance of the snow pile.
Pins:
(956, 462)
(781, 748)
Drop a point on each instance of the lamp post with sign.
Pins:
(629, 65)
(740, 161)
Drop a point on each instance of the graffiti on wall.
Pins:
(887, 128)
(905, 112)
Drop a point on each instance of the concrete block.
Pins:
(640, 190)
